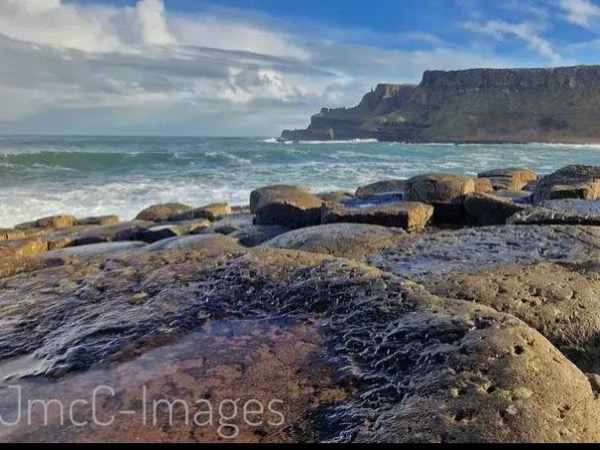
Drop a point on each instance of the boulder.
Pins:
(510, 178)
(448, 253)
(54, 222)
(281, 189)
(410, 216)
(210, 212)
(123, 231)
(335, 196)
(162, 212)
(395, 187)
(345, 240)
(255, 235)
(444, 191)
(575, 181)
(8, 234)
(558, 299)
(98, 220)
(289, 207)
(488, 209)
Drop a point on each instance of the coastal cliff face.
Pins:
(477, 105)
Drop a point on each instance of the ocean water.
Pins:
(41, 176)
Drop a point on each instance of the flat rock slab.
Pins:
(256, 235)
(410, 366)
(564, 211)
(389, 187)
(451, 252)
(410, 216)
(344, 240)
(93, 250)
(212, 243)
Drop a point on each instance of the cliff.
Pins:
(477, 105)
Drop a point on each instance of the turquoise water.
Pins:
(42, 176)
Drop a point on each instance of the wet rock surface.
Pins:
(450, 252)
(390, 342)
(488, 209)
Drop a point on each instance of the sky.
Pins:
(254, 67)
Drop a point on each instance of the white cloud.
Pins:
(151, 20)
(525, 31)
(92, 68)
(581, 12)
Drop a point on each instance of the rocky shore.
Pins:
(442, 308)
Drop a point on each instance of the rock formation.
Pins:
(477, 105)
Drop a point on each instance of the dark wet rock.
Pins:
(8, 234)
(418, 367)
(286, 206)
(255, 235)
(210, 212)
(444, 191)
(489, 209)
(54, 222)
(123, 231)
(163, 212)
(558, 299)
(98, 220)
(511, 178)
(236, 220)
(281, 189)
(565, 211)
(346, 240)
(575, 181)
(521, 197)
(214, 244)
(160, 232)
(335, 196)
(93, 250)
(410, 216)
(395, 187)
(450, 252)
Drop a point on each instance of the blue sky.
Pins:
(253, 67)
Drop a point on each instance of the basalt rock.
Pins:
(575, 181)
(289, 207)
(99, 220)
(281, 189)
(510, 178)
(54, 222)
(346, 240)
(489, 209)
(410, 366)
(163, 212)
(444, 191)
(448, 253)
(387, 187)
(558, 299)
(410, 216)
(210, 212)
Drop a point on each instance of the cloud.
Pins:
(525, 31)
(92, 68)
(581, 12)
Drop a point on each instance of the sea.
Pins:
(88, 175)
